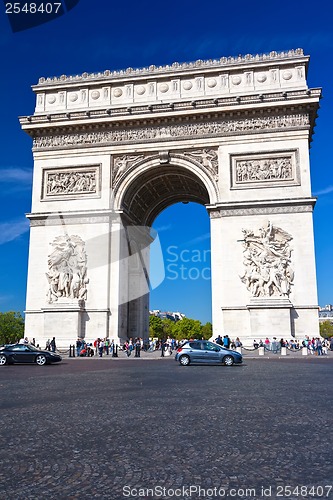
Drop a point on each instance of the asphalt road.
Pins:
(94, 428)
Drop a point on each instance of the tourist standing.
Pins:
(78, 347)
(101, 348)
(137, 348)
(162, 348)
(53, 345)
(219, 340)
(226, 341)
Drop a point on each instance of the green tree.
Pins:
(155, 327)
(168, 328)
(11, 327)
(187, 328)
(326, 329)
(207, 331)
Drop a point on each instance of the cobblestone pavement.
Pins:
(91, 428)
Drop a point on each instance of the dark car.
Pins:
(204, 351)
(26, 353)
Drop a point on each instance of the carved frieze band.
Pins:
(216, 214)
(159, 133)
(71, 182)
(264, 170)
(61, 221)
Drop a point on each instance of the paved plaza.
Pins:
(129, 428)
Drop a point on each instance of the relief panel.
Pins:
(69, 183)
(265, 170)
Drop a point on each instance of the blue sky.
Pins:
(99, 35)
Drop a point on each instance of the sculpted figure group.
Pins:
(71, 182)
(267, 259)
(261, 170)
(67, 273)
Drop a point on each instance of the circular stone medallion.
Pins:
(236, 80)
(261, 78)
(164, 87)
(287, 75)
(117, 92)
(211, 83)
(187, 85)
(73, 97)
(140, 90)
(95, 94)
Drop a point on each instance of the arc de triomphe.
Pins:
(114, 149)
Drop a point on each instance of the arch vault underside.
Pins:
(113, 150)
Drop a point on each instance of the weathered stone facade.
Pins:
(113, 149)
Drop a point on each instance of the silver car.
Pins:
(204, 351)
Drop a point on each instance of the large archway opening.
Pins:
(184, 234)
(176, 195)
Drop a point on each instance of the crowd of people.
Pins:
(315, 345)
(105, 347)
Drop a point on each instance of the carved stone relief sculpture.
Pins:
(267, 258)
(264, 169)
(74, 181)
(67, 269)
(207, 158)
(121, 164)
(183, 130)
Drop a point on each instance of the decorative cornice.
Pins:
(175, 67)
(262, 207)
(64, 219)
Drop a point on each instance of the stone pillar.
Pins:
(270, 317)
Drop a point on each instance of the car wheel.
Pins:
(40, 359)
(228, 360)
(184, 360)
(3, 360)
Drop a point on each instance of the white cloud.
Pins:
(166, 227)
(16, 174)
(327, 190)
(9, 231)
(198, 239)
(5, 298)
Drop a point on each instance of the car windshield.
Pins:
(32, 348)
(21, 347)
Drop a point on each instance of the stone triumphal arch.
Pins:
(114, 149)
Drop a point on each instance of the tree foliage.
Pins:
(185, 328)
(11, 327)
(326, 329)
(155, 326)
(207, 331)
